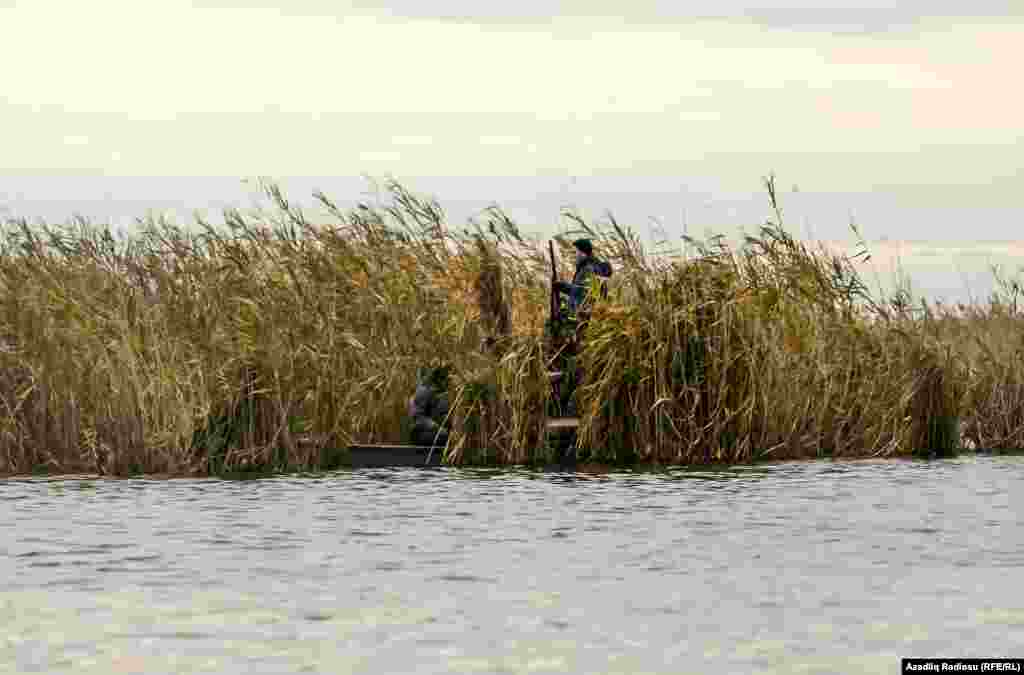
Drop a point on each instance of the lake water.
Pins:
(821, 567)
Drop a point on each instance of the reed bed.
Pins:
(271, 341)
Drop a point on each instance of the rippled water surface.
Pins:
(810, 567)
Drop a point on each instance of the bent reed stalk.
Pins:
(271, 341)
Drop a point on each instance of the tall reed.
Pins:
(269, 341)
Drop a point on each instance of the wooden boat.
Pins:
(561, 431)
(372, 455)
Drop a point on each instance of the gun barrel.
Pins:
(554, 282)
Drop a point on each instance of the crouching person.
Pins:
(428, 409)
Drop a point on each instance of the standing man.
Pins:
(577, 291)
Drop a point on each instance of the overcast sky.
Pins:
(909, 120)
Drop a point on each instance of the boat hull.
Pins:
(400, 456)
(560, 430)
(393, 456)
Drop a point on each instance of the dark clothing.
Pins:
(577, 290)
(429, 410)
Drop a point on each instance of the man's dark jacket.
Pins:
(429, 410)
(586, 268)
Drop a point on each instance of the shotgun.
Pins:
(555, 304)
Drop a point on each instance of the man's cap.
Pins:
(584, 245)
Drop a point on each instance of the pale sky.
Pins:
(909, 120)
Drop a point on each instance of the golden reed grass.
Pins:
(265, 343)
